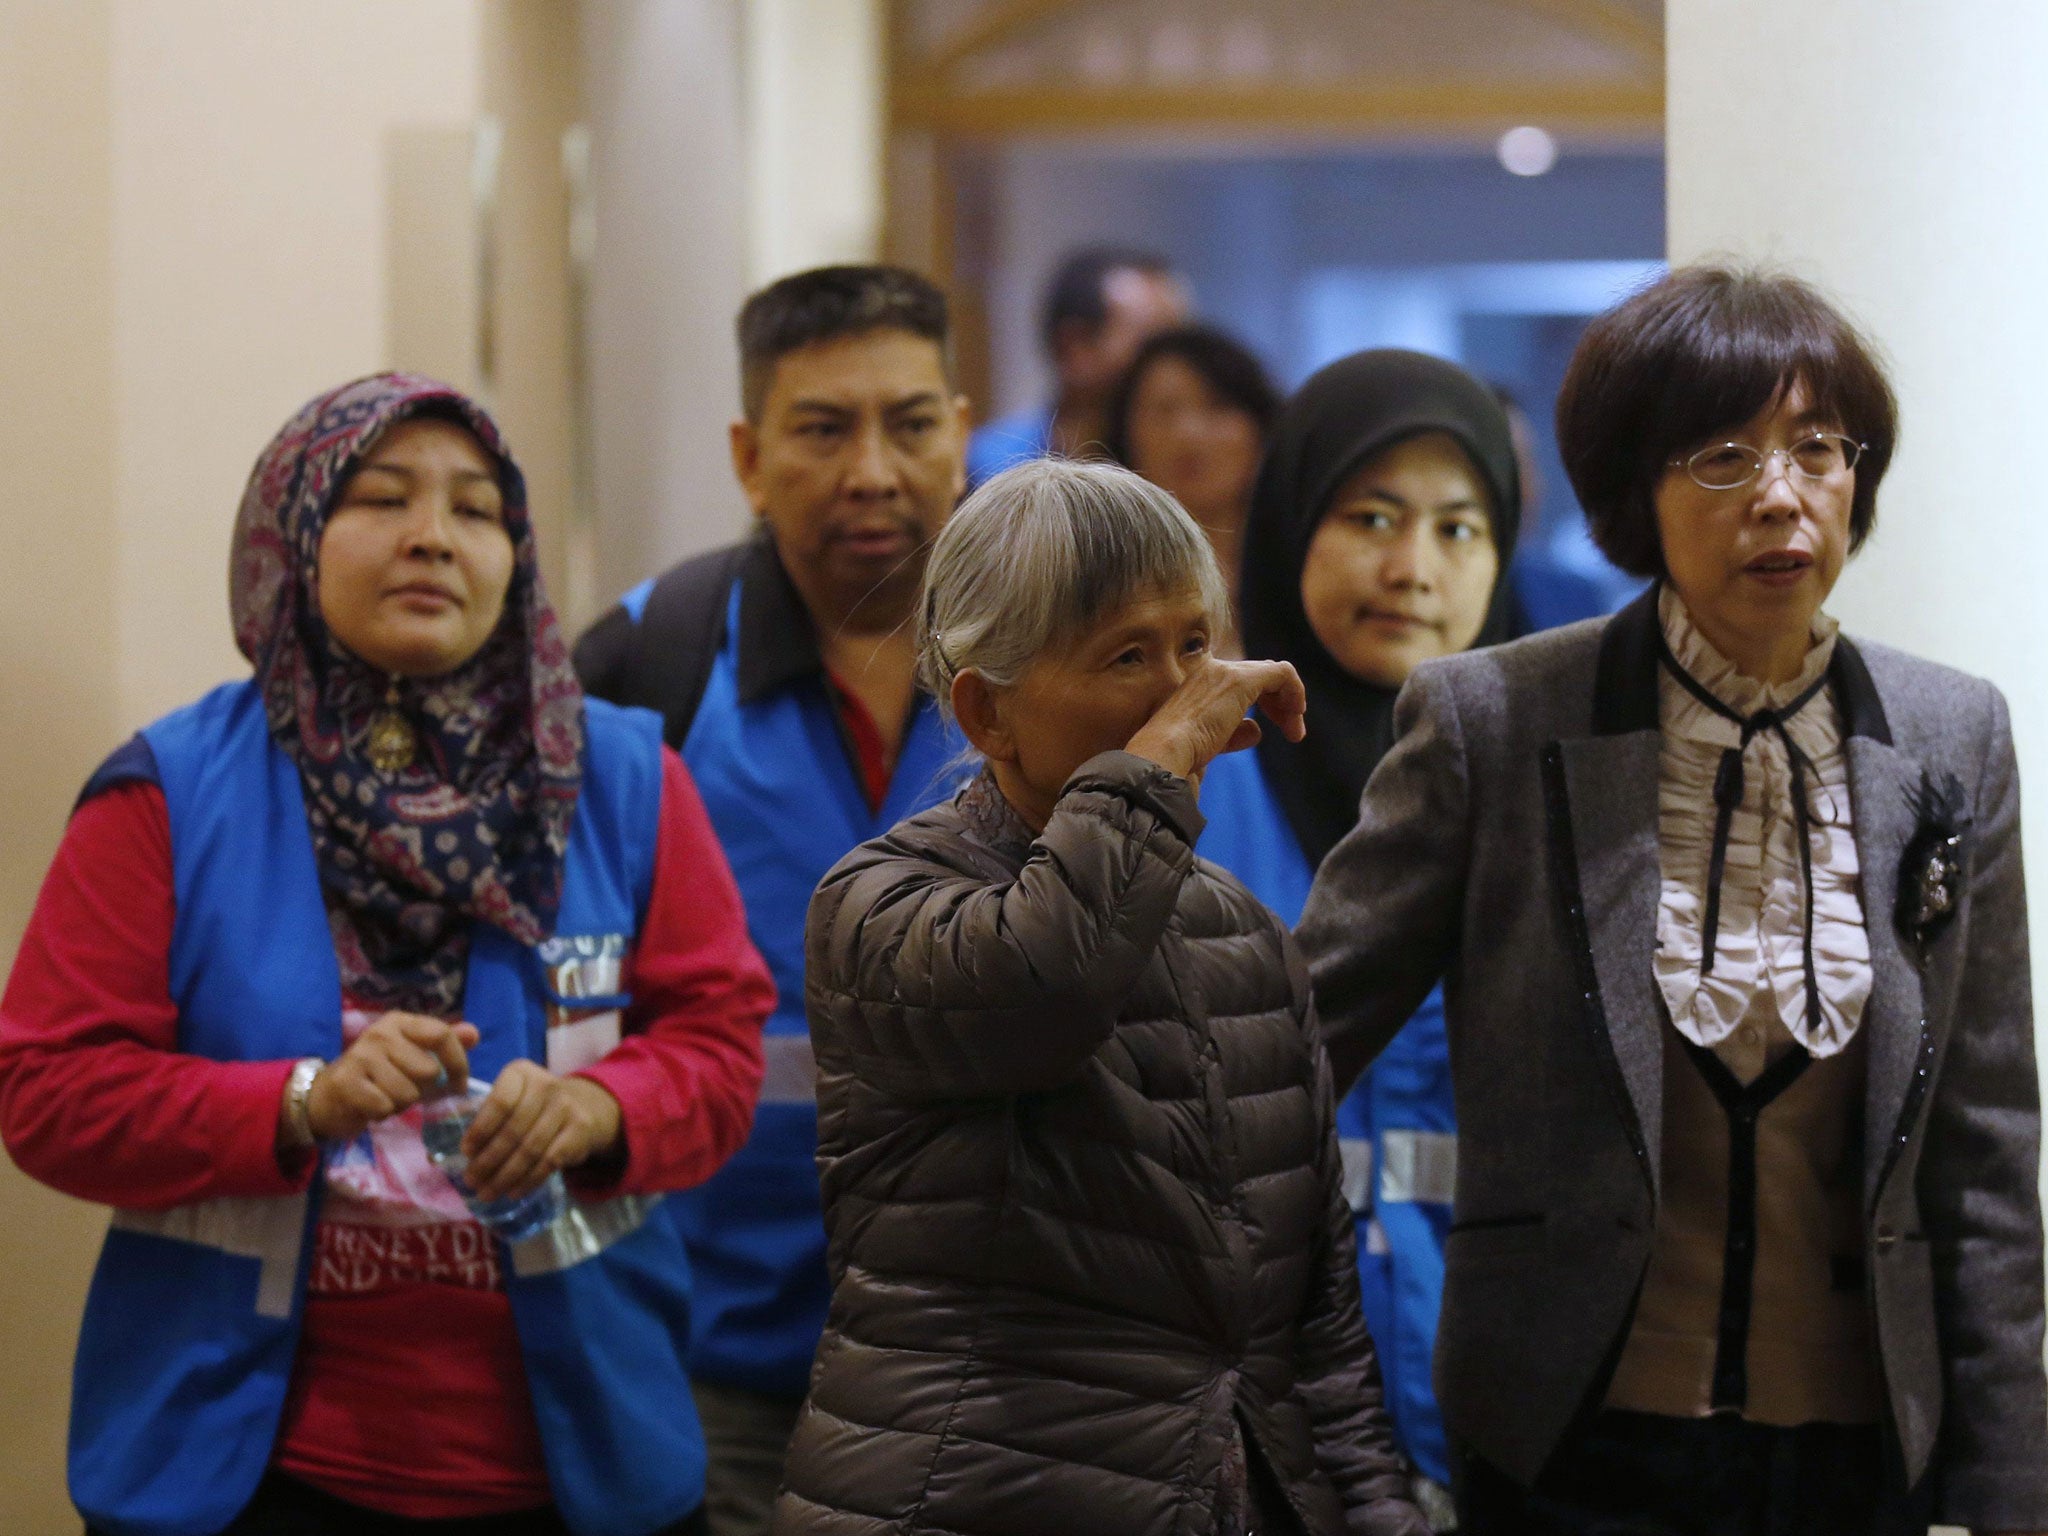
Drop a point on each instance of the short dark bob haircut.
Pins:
(826, 303)
(1229, 367)
(1688, 361)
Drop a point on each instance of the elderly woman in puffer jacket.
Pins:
(1093, 1268)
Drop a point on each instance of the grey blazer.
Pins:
(1508, 845)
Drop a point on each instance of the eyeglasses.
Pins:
(1729, 466)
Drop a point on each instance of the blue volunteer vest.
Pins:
(1396, 1128)
(192, 1322)
(787, 806)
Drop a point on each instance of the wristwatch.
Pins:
(298, 1088)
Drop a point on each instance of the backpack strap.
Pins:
(656, 650)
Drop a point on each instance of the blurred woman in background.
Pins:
(1192, 415)
(290, 920)
(1384, 518)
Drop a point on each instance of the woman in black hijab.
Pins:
(1382, 525)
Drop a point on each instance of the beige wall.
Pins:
(56, 627)
(532, 88)
(192, 241)
(249, 271)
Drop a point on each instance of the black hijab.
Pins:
(1341, 417)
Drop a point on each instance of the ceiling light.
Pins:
(1527, 151)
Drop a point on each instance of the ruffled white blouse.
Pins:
(1755, 995)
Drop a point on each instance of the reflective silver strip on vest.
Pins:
(1419, 1167)
(581, 1232)
(585, 965)
(792, 1071)
(1356, 1152)
(270, 1229)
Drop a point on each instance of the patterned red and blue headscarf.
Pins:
(476, 828)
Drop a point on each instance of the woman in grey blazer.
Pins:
(1731, 923)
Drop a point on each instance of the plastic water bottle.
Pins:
(444, 1122)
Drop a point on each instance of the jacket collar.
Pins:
(1625, 678)
(992, 819)
(778, 643)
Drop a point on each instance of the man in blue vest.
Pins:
(1102, 304)
(784, 672)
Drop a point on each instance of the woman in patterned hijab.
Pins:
(303, 1323)
(472, 821)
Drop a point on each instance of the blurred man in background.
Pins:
(784, 670)
(1104, 302)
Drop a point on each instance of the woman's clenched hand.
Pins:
(390, 1066)
(1205, 716)
(534, 1124)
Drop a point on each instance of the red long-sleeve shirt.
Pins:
(408, 1396)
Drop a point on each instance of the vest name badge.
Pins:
(584, 977)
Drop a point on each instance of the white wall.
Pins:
(662, 91)
(1893, 152)
(814, 108)
(733, 142)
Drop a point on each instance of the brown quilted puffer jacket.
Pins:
(1081, 1186)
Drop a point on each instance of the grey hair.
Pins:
(1040, 555)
